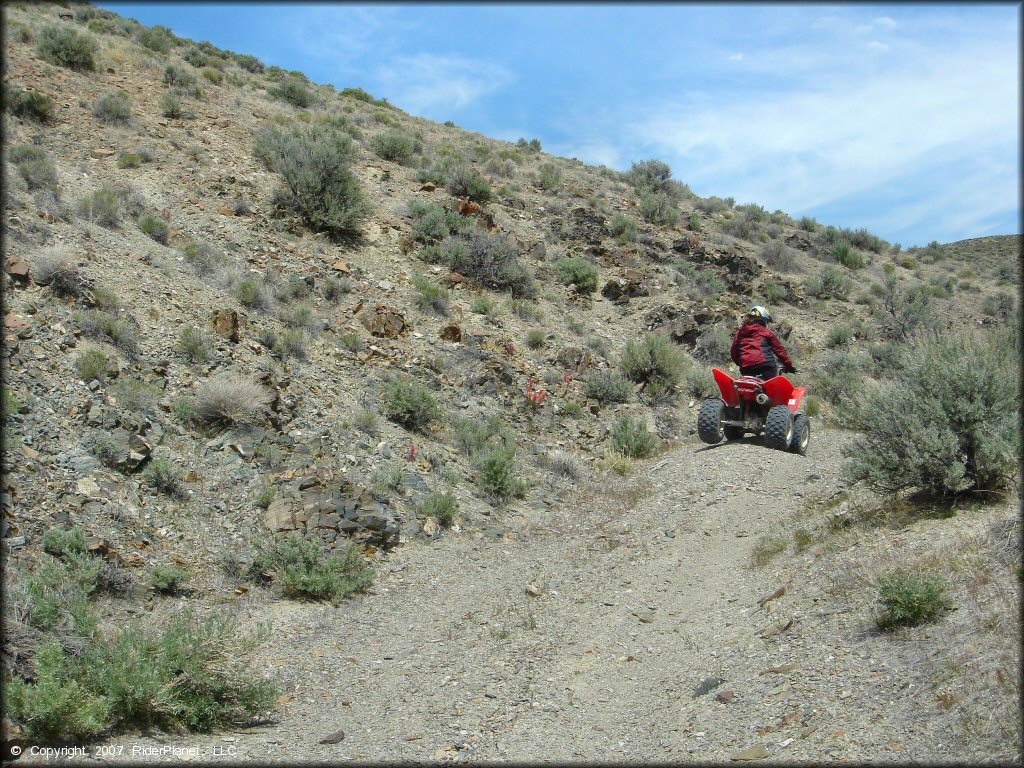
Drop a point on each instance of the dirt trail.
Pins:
(450, 656)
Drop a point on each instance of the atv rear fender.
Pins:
(782, 392)
(724, 382)
(779, 390)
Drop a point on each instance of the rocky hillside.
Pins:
(203, 348)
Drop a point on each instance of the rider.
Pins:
(758, 351)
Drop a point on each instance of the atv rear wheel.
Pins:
(709, 420)
(778, 428)
(801, 434)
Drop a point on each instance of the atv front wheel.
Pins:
(801, 434)
(778, 428)
(709, 420)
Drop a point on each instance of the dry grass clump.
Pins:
(231, 399)
(58, 269)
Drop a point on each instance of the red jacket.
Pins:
(756, 345)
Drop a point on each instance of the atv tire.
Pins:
(801, 434)
(709, 420)
(778, 428)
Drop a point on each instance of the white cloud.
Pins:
(426, 82)
(736, 57)
(804, 149)
(342, 34)
(874, 45)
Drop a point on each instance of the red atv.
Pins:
(748, 404)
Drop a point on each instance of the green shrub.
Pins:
(934, 252)
(694, 224)
(464, 181)
(387, 481)
(31, 105)
(429, 295)
(194, 345)
(365, 421)
(158, 38)
(92, 364)
(166, 579)
(839, 336)
(949, 422)
(112, 108)
(651, 176)
(654, 360)
(606, 387)
(116, 330)
(212, 74)
(578, 272)
(314, 162)
(192, 675)
(104, 206)
(699, 383)
(293, 342)
(293, 91)
(526, 309)
(808, 224)
(129, 160)
(492, 260)
(333, 288)
(841, 376)
(359, 95)
(250, 63)
(432, 223)
(482, 305)
(409, 404)
(699, 284)
(623, 227)
(176, 76)
(35, 167)
(774, 292)
(307, 571)
(253, 293)
(830, 283)
(847, 255)
(659, 208)
(999, 305)
(474, 437)
(163, 478)
(535, 338)
(908, 309)
(64, 543)
(65, 47)
(550, 176)
(170, 105)
(911, 599)
(56, 707)
(496, 473)
(533, 145)
(713, 345)
(155, 228)
(203, 257)
(394, 145)
(440, 506)
(631, 438)
(778, 255)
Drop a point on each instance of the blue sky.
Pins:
(902, 118)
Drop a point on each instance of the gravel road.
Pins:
(585, 637)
